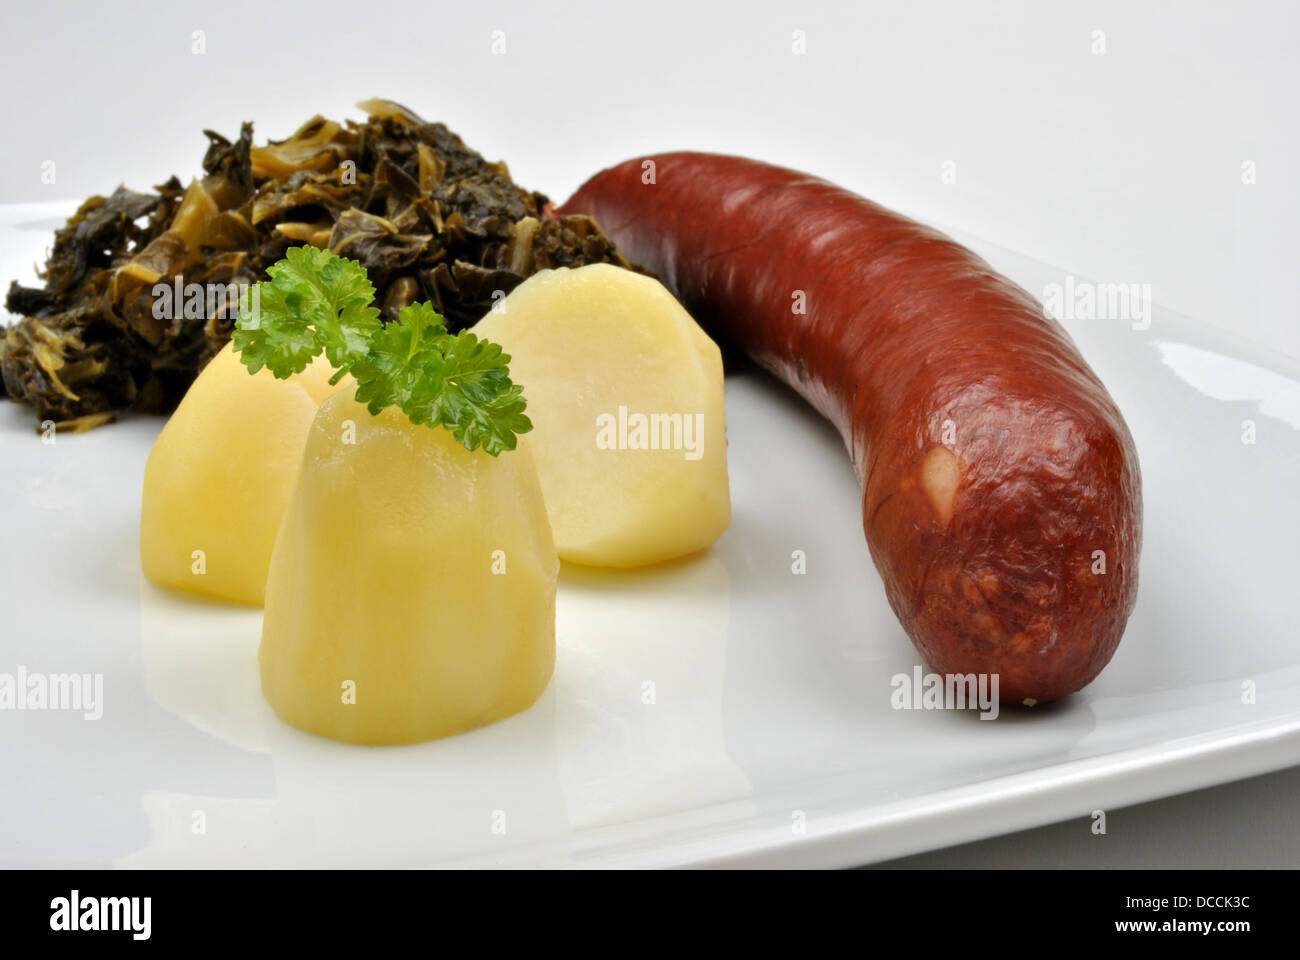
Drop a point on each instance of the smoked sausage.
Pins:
(1001, 493)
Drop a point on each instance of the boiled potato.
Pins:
(625, 394)
(412, 589)
(219, 475)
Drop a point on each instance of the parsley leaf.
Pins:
(399, 356)
(316, 300)
(273, 332)
(471, 394)
(459, 382)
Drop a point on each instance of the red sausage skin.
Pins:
(1001, 495)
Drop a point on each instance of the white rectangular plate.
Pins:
(722, 710)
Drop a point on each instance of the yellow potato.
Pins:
(626, 396)
(219, 475)
(412, 588)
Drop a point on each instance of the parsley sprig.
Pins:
(317, 301)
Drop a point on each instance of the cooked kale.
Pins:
(427, 217)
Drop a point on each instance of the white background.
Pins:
(1122, 166)
(1125, 165)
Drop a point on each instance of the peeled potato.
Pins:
(612, 367)
(219, 475)
(412, 590)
